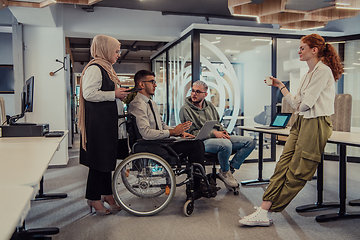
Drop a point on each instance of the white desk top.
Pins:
(25, 163)
(348, 138)
(24, 160)
(14, 206)
(238, 117)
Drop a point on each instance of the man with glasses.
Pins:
(197, 110)
(152, 127)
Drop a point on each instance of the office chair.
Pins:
(2, 111)
(263, 118)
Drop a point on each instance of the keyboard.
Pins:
(54, 134)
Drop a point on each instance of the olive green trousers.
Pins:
(299, 160)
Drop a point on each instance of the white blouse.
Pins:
(317, 91)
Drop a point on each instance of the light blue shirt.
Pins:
(145, 121)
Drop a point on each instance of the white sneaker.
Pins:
(260, 217)
(228, 178)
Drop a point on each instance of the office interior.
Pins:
(232, 55)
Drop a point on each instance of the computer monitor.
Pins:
(29, 95)
(27, 102)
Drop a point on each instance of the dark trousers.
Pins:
(194, 150)
(98, 183)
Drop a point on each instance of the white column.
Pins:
(43, 45)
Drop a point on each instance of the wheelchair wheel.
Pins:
(188, 208)
(143, 184)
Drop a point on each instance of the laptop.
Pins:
(279, 121)
(204, 131)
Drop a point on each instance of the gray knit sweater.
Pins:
(198, 117)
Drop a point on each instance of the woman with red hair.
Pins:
(314, 102)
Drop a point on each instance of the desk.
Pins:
(238, 117)
(13, 209)
(23, 162)
(343, 139)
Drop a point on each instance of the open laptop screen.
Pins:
(281, 119)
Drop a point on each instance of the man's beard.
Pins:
(196, 101)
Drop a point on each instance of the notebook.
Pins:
(280, 120)
(204, 131)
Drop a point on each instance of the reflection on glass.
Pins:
(159, 68)
(179, 78)
(234, 67)
(351, 85)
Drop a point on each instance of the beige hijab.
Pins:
(102, 49)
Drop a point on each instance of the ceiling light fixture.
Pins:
(261, 40)
(289, 29)
(347, 8)
(336, 42)
(214, 42)
(312, 28)
(232, 51)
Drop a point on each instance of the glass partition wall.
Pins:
(234, 65)
(159, 68)
(351, 85)
(234, 68)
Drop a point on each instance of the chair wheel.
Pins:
(188, 208)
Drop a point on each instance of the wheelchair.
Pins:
(144, 183)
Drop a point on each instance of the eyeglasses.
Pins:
(118, 52)
(196, 91)
(151, 81)
(301, 49)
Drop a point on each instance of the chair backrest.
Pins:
(264, 117)
(132, 130)
(341, 119)
(2, 111)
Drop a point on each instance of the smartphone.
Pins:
(132, 90)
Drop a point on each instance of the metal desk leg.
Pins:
(342, 190)
(42, 196)
(260, 180)
(320, 187)
(355, 202)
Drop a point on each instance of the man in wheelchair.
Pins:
(151, 127)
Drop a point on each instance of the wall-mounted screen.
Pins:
(6, 79)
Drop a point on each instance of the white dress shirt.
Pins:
(145, 121)
(317, 91)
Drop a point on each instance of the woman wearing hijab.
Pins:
(98, 122)
(314, 102)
